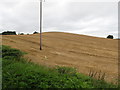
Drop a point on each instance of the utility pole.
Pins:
(41, 24)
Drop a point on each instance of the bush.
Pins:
(110, 36)
(66, 70)
(8, 53)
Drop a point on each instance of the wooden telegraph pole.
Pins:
(41, 24)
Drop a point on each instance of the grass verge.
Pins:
(18, 73)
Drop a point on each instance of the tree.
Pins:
(9, 33)
(35, 32)
(21, 33)
(110, 36)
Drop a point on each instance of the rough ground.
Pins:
(82, 52)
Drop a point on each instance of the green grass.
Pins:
(18, 73)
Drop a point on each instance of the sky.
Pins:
(89, 17)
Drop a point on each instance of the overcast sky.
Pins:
(95, 18)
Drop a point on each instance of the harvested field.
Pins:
(65, 49)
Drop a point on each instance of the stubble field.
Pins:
(64, 49)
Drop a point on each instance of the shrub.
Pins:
(110, 36)
(66, 70)
(8, 53)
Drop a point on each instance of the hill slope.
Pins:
(83, 52)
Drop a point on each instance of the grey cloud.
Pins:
(91, 18)
(86, 17)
